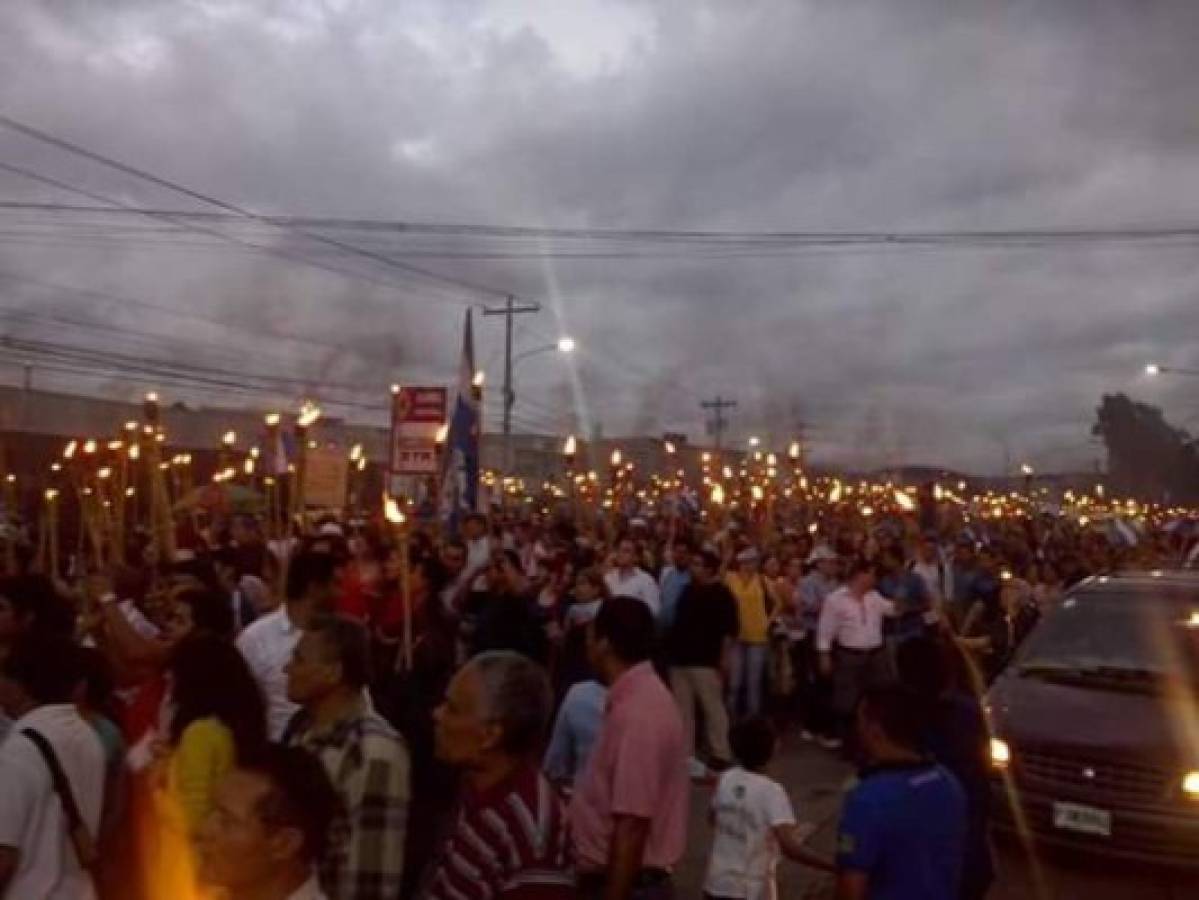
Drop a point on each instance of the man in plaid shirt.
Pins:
(366, 759)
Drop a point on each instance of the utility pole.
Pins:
(510, 309)
(717, 406)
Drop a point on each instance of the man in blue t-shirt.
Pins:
(903, 828)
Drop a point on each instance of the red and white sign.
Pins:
(417, 414)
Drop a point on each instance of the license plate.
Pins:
(1087, 819)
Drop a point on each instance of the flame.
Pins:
(309, 413)
(392, 511)
(571, 446)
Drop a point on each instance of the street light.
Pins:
(564, 344)
(1155, 369)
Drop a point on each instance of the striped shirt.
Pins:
(508, 842)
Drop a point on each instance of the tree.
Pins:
(1146, 455)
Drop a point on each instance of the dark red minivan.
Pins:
(1095, 723)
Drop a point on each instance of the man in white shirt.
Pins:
(478, 550)
(40, 678)
(627, 580)
(267, 644)
(849, 639)
(269, 824)
(931, 569)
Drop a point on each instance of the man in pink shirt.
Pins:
(629, 812)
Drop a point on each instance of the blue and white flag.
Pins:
(460, 472)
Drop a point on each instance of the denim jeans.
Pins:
(748, 669)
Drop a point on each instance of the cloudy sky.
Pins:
(624, 115)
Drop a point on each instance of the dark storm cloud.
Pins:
(756, 115)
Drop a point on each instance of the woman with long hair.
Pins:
(218, 719)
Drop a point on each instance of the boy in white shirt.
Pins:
(754, 822)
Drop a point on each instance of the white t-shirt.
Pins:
(31, 816)
(478, 557)
(745, 854)
(639, 584)
(267, 645)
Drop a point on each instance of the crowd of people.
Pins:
(278, 719)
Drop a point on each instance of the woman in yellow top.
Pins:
(748, 664)
(219, 719)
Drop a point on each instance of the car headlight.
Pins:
(1190, 785)
(1001, 754)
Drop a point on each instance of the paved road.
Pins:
(816, 779)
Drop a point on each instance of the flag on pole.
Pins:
(282, 452)
(460, 473)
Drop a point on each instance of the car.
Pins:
(1095, 723)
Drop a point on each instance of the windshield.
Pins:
(1119, 637)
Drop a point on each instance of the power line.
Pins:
(182, 223)
(733, 237)
(78, 150)
(123, 300)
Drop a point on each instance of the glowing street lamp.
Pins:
(1154, 369)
